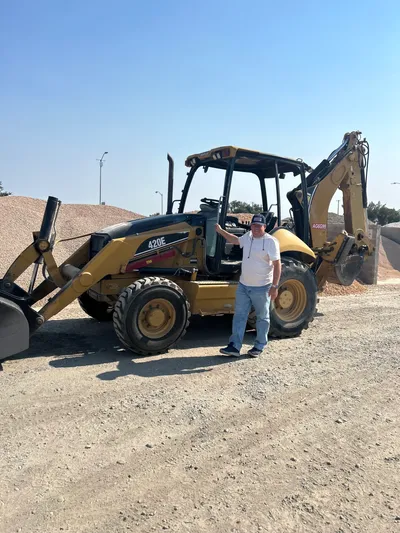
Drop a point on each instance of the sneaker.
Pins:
(230, 350)
(254, 352)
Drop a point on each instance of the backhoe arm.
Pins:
(341, 259)
(346, 171)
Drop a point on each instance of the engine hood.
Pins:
(134, 227)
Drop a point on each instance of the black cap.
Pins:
(258, 219)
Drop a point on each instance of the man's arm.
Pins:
(275, 278)
(232, 239)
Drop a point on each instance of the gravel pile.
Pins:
(244, 218)
(333, 218)
(340, 290)
(389, 259)
(20, 216)
(393, 225)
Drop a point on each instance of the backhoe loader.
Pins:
(148, 276)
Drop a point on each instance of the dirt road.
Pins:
(305, 439)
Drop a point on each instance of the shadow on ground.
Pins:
(148, 367)
(84, 336)
(85, 342)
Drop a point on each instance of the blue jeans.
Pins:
(259, 298)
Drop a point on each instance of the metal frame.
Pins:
(229, 164)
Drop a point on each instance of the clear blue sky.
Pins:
(139, 79)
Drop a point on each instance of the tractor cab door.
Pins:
(216, 181)
(210, 209)
(222, 257)
(230, 255)
(217, 249)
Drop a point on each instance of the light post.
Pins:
(162, 200)
(101, 166)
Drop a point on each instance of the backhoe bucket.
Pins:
(14, 329)
(349, 270)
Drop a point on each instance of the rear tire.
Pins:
(295, 306)
(151, 315)
(101, 311)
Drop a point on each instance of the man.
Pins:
(258, 284)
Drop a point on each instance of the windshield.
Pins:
(245, 190)
(208, 184)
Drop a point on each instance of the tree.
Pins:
(236, 206)
(381, 214)
(3, 192)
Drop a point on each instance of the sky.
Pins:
(142, 79)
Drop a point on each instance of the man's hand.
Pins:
(227, 236)
(273, 293)
(275, 278)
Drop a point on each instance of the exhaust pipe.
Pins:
(170, 200)
(49, 218)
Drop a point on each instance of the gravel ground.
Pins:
(305, 439)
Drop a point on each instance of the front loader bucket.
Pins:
(14, 329)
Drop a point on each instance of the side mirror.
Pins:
(172, 205)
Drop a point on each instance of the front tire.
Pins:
(151, 315)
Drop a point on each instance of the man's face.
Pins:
(258, 230)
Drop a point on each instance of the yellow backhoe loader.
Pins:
(148, 276)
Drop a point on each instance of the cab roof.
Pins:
(246, 161)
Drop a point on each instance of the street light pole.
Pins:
(101, 166)
(162, 201)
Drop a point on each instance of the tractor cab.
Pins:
(228, 164)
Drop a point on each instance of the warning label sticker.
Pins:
(319, 226)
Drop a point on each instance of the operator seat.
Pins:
(270, 220)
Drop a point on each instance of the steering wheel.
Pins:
(211, 202)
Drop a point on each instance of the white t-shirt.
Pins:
(258, 254)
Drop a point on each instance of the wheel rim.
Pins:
(291, 300)
(157, 318)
